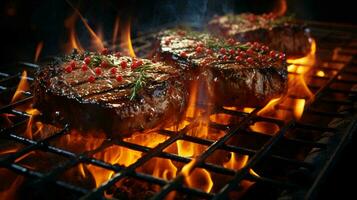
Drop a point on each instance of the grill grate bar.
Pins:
(253, 161)
(230, 130)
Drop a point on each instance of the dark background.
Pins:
(23, 24)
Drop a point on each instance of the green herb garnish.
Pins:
(96, 60)
(140, 81)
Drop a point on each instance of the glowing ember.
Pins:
(320, 73)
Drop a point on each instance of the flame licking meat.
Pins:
(298, 70)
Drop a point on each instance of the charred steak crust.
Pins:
(279, 33)
(92, 101)
(239, 74)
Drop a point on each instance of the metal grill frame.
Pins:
(320, 31)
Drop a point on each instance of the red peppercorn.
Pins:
(117, 54)
(84, 67)
(282, 56)
(223, 51)
(265, 48)
(199, 49)
(250, 60)
(123, 64)
(225, 58)
(239, 58)
(136, 63)
(91, 78)
(256, 44)
(242, 53)
(73, 64)
(232, 52)
(98, 71)
(183, 54)
(271, 54)
(113, 70)
(209, 51)
(104, 64)
(231, 41)
(250, 51)
(105, 51)
(68, 68)
(119, 78)
(87, 60)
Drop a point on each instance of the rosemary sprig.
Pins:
(140, 81)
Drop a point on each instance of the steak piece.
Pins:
(279, 33)
(119, 95)
(237, 74)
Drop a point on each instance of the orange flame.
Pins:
(126, 40)
(70, 24)
(309, 59)
(320, 73)
(11, 192)
(115, 31)
(297, 86)
(281, 8)
(38, 50)
(22, 87)
(28, 132)
(236, 162)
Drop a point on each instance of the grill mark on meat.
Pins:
(280, 33)
(230, 82)
(104, 104)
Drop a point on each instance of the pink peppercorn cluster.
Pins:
(249, 53)
(104, 64)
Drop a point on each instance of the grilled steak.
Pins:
(238, 74)
(117, 94)
(279, 33)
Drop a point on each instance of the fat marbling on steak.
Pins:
(279, 33)
(117, 94)
(238, 74)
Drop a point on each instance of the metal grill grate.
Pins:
(339, 40)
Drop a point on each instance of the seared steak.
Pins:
(279, 33)
(117, 94)
(237, 74)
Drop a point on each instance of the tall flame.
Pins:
(22, 87)
(297, 86)
(115, 32)
(70, 24)
(281, 8)
(38, 50)
(126, 39)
